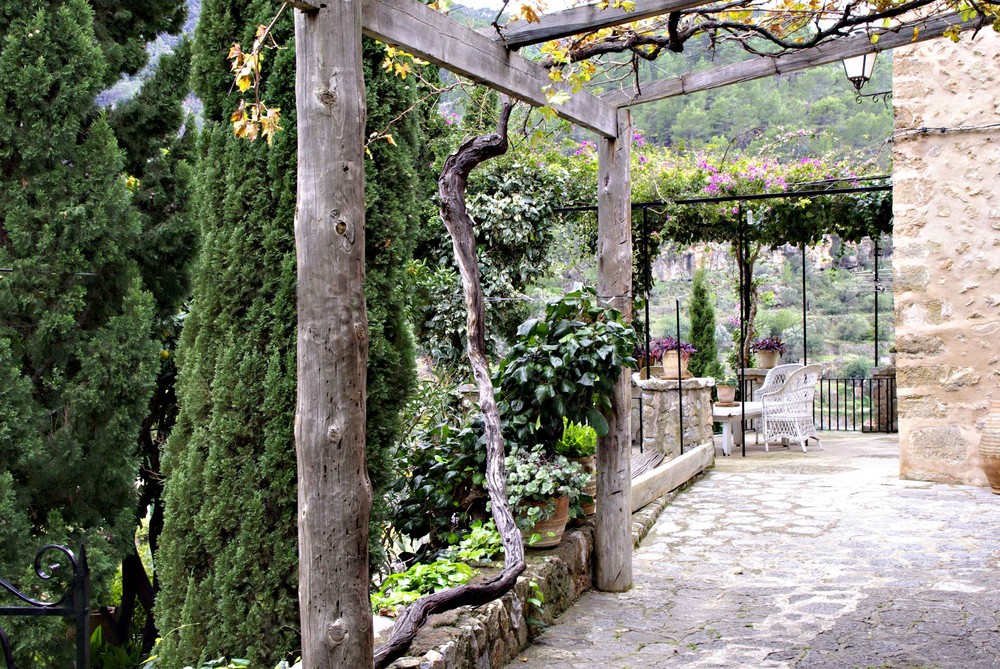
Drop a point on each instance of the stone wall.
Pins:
(947, 253)
(659, 412)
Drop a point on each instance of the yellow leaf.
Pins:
(916, 32)
(556, 98)
(244, 80)
(875, 38)
(235, 51)
(389, 139)
(261, 31)
(529, 14)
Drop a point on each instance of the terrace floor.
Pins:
(817, 560)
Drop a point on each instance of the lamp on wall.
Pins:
(859, 69)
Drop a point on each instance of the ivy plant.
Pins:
(420, 579)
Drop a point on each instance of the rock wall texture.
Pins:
(659, 412)
(947, 253)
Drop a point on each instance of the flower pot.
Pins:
(550, 528)
(670, 365)
(767, 359)
(655, 371)
(726, 393)
(591, 488)
(989, 447)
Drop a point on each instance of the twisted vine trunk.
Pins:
(451, 188)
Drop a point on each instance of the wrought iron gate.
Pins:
(74, 602)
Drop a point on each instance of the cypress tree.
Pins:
(705, 361)
(76, 354)
(228, 561)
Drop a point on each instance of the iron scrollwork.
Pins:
(74, 602)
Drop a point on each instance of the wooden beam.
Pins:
(763, 66)
(586, 18)
(434, 37)
(671, 475)
(302, 5)
(613, 533)
(332, 353)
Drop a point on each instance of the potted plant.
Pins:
(579, 444)
(892, 355)
(726, 389)
(540, 488)
(768, 350)
(669, 349)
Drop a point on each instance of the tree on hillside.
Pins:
(705, 360)
(158, 142)
(230, 462)
(76, 351)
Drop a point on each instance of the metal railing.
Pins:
(73, 603)
(867, 405)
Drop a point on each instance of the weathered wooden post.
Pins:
(613, 536)
(334, 491)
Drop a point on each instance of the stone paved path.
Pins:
(819, 560)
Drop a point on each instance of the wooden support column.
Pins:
(613, 538)
(334, 493)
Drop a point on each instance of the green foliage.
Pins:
(442, 490)
(511, 200)
(766, 114)
(479, 544)
(535, 475)
(705, 360)
(104, 655)
(420, 579)
(577, 441)
(76, 352)
(237, 355)
(564, 365)
(855, 368)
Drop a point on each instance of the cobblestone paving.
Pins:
(819, 560)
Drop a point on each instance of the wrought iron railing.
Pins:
(50, 562)
(867, 405)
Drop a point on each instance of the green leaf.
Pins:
(597, 422)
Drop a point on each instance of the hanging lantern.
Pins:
(859, 69)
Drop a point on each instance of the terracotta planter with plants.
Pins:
(767, 359)
(670, 365)
(587, 462)
(550, 528)
(989, 447)
(727, 393)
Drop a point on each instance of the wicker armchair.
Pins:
(788, 410)
(774, 380)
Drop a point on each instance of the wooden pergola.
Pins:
(334, 492)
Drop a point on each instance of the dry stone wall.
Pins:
(947, 253)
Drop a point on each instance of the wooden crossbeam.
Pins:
(586, 18)
(759, 67)
(432, 36)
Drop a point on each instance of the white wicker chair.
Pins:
(774, 380)
(788, 410)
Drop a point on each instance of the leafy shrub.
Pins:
(563, 365)
(856, 368)
(420, 579)
(442, 489)
(533, 475)
(480, 544)
(578, 441)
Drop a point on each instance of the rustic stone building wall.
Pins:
(659, 412)
(947, 253)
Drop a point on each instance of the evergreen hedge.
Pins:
(228, 556)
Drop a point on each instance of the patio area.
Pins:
(790, 559)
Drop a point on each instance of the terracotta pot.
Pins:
(767, 359)
(591, 488)
(670, 365)
(726, 393)
(550, 528)
(989, 447)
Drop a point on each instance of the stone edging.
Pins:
(490, 636)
